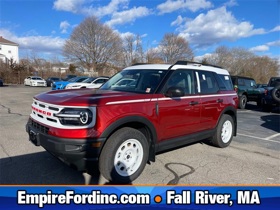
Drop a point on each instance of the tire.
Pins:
(224, 132)
(242, 102)
(124, 156)
(276, 93)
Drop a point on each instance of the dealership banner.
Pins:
(139, 197)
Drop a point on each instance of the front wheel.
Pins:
(124, 156)
(224, 132)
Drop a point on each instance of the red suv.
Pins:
(123, 125)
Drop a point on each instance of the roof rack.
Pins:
(192, 62)
(136, 64)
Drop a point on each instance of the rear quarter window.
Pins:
(224, 82)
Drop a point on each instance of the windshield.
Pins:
(89, 80)
(274, 82)
(139, 81)
(36, 78)
(73, 79)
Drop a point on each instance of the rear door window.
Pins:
(183, 79)
(208, 83)
(224, 82)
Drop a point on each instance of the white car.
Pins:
(35, 81)
(92, 82)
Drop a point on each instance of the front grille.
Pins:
(39, 127)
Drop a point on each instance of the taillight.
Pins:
(265, 92)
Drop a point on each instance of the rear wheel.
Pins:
(242, 102)
(124, 156)
(276, 93)
(224, 132)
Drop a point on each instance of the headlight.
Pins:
(78, 117)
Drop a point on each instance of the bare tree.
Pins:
(132, 50)
(93, 44)
(153, 56)
(173, 47)
(240, 61)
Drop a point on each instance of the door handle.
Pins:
(220, 100)
(193, 103)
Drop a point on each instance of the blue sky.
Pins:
(40, 27)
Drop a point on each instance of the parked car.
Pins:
(92, 82)
(62, 84)
(247, 90)
(35, 81)
(68, 77)
(271, 96)
(51, 80)
(1, 82)
(123, 127)
(261, 85)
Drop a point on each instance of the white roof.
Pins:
(180, 66)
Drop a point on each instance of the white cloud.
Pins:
(178, 21)
(109, 9)
(174, 5)
(127, 16)
(277, 28)
(40, 44)
(260, 48)
(216, 26)
(126, 34)
(199, 58)
(112, 9)
(231, 3)
(274, 44)
(68, 5)
(64, 25)
(86, 8)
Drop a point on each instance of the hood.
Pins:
(61, 82)
(88, 97)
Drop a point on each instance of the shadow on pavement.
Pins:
(271, 122)
(41, 168)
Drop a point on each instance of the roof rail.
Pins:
(136, 64)
(192, 62)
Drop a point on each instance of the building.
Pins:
(8, 50)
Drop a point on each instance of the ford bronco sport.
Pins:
(122, 126)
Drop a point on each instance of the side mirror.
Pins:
(174, 92)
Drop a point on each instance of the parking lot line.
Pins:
(263, 139)
(273, 136)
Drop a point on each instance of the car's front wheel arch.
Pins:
(137, 122)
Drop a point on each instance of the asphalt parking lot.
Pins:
(252, 158)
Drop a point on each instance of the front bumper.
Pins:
(58, 87)
(78, 153)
